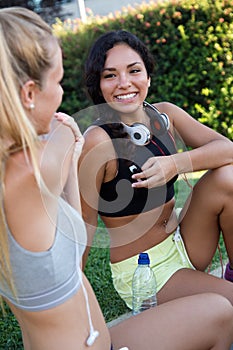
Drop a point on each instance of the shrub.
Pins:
(192, 42)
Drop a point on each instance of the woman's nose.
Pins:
(124, 82)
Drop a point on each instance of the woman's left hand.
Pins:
(156, 171)
(71, 123)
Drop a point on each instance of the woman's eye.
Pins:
(110, 75)
(135, 70)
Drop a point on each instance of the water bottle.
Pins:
(143, 285)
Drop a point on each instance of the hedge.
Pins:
(192, 42)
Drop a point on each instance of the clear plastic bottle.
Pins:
(143, 285)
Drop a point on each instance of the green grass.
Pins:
(98, 272)
(10, 334)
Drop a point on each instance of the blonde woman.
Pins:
(42, 235)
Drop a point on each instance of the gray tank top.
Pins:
(46, 279)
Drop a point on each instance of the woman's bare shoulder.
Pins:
(98, 147)
(165, 106)
(96, 134)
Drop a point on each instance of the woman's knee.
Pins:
(222, 178)
(224, 319)
(214, 189)
(223, 311)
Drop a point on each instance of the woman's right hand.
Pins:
(156, 171)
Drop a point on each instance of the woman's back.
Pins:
(47, 238)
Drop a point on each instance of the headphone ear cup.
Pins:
(159, 122)
(166, 120)
(140, 135)
(160, 125)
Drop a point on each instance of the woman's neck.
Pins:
(138, 116)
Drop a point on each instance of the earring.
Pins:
(149, 81)
(32, 106)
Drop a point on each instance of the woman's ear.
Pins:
(28, 94)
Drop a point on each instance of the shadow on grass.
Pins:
(98, 272)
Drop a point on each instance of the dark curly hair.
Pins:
(93, 69)
(97, 56)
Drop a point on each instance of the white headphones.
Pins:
(140, 135)
(92, 337)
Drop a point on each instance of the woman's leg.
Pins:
(200, 322)
(186, 282)
(209, 211)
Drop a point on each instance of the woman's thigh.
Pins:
(186, 282)
(208, 211)
(192, 323)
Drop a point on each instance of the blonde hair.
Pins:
(25, 54)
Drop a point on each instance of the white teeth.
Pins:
(125, 97)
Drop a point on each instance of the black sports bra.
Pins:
(117, 197)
